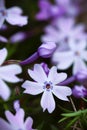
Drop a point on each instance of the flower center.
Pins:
(48, 86)
(77, 53)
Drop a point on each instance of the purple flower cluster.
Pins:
(64, 42)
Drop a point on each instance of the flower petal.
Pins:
(28, 123)
(62, 92)
(17, 119)
(4, 125)
(64, 59)
(84, 55)
(3, 55)
(15, 10)
(4, 90)
(47, 101)
(79, 64)
(38, 74)
(8, 73)
(62, 24)
(55, 77)
(2, 19)
(32, 87)
(3, 39)
(77, 46)
(16, 19)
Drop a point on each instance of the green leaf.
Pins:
(63, 119)
(71, 123)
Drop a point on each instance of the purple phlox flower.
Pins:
(60, 32)
(3, 39)
(7, 73)
(44, 13)
(18, 37)
(12, 15)
(45, 51)
(76, 55)
(59, 8)
(48, 85)
(79, 91)
(16, 122)
(48, 10)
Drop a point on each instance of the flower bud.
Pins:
(46, 49)
(79, 91)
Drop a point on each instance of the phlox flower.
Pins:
(12, 15)
(59, 8)
(48, 85)
(7, 73)
(76, 55)
(62, 30)
(16, 122)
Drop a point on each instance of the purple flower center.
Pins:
(48, 86)
(77, 53)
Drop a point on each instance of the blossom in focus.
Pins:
(7, 73)
(48, 85)
(76, 55)
(16, 122)
(12, 15)
(79, 91)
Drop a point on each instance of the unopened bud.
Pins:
(46, 49)
(79, 91)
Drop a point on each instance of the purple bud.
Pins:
(45, 67)
(46, 49)
(18, 37)
(79, 91)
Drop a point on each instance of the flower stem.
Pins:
(31, 59)
(68, 81)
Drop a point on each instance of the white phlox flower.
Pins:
(48, 85)
(7, 74)
(76, 55)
